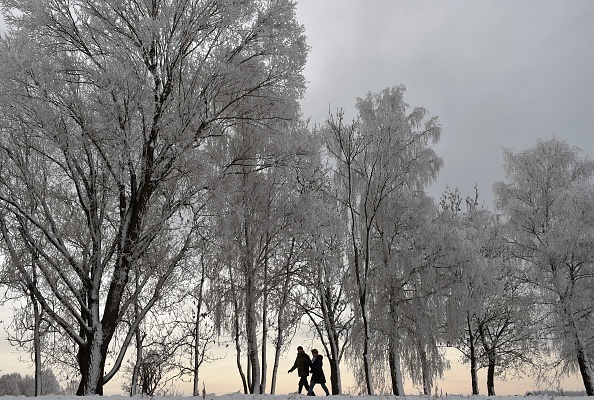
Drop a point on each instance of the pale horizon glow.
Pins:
(222, 376)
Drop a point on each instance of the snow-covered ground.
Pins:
(294, 396)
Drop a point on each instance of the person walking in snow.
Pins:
(302, 364)
(317, 373)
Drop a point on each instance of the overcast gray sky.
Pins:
(497, 73)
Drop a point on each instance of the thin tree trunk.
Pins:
(325, 294)
(195, 375)
(251, 321)
(280, 317)
(37, 346)
(424, 368)
(36, 335)
(238, 357)
(264, 323)
(473, 359)
(252, 343)
(138, 361)
(197, 357)
(335, 377)
(249, 373)
(139, 340)
(334, 357)
(237, 333)
(366, 361)
(395, 371)
(491, 359)
(491, 373)
(277, 353)
(360, 281)
(363, 305)
(583, 360)
(394, 345)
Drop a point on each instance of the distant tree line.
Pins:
(160, 193)
(17, 385)
(558, 392)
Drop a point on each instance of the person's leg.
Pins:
(302, 384)
(311, 386)
(325, 389)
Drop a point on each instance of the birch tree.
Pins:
(473, 279)
(257, 216)
(116, 100)
(548, 203)
(383, 152)
(323, 292)
(506, 327)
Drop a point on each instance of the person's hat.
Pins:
(299, 348)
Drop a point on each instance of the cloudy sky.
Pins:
(497, 73)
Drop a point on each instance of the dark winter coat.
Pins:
(317, 373)
(302, 363)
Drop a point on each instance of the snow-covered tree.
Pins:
(323, 292)
(382, 154)
(548, 202)
(257, 215)
(9, 384)
(506, 326)
(106, 110)
(17, 385)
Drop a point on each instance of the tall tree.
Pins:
(116, 100)
(548, 203)
(257, 214)
(384, 152)
(470, 290)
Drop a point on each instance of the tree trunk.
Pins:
(583, 361)
(280, 316)
(197, 362)
(394, 345)
(363, 305)
(360, 276)
(36, 334)
(492, 359)
(237, 332)
(91, 361)
(264, 341)
(395, 371)
(366, 361)
(277, 351)
(473, 359)
(37, 348)
(238, 357)
(325, 294)
(252, 342)
(264, 320)
(424, 368)
(491, 374)
(335, 379)
(248, 362)
(138, 361)
(195, 375)
(279, 335)
(139, 340)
